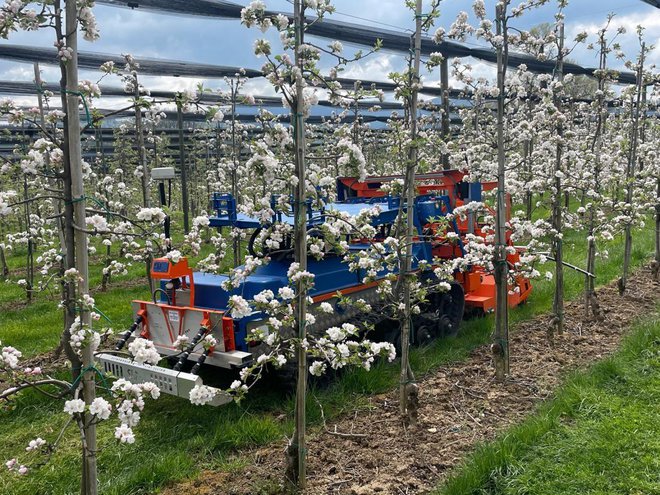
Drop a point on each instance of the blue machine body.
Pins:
(331, 273)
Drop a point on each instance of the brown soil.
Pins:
(461, 405)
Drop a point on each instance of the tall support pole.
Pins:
(89, 486)
(300, 255)
(406, 376)
(501, 335)
(557, 221)
(444, 85)
(184, 171)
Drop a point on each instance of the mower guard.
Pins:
(170, 382)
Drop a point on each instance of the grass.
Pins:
(36, 328)
(176, 440)
(599, 435)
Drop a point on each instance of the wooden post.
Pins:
(89, 485)
(501, 335)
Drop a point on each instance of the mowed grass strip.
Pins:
(599, 435)
(36, 328)
(176, 440)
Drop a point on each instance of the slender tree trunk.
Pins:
(89, 487)
(657, 232)
(29, 268)
(298, 449)
(407, 387)
(501, 336)
(142, 159)
(4, 269)
(184, 172)
(142, 151)
(54, 183)
(236, 241)
(444, 85)
(68, 288)
(589, 284)
(528, 150)
(557, 221)
(631, 169)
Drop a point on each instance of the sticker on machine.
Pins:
(173, 316)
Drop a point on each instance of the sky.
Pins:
(227, 42)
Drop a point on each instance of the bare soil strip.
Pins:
(461, 406)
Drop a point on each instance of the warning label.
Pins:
(173, 316)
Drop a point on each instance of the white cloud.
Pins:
(629, 42)
(376, 67)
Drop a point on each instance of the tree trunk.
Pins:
(406, 376)
(298, 449)
(630, 169)
(42, 118)
(236, 241)
(557, 221)
(184, 172)
(89, 487)
(589, 284)
(444, 85)
(4, 269)
(657, 233)
(68, 288)
(142, 158)
(29, 267)
(501, 336)
(142, 151)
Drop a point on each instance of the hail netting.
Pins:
(159, 67)
(363, 35)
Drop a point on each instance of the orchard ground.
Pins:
(179, 441)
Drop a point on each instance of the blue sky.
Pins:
(227, 42)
